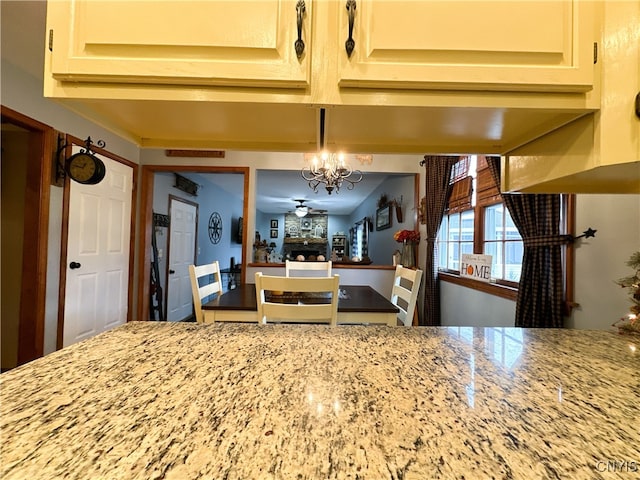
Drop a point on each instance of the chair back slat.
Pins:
(296, 312)
(295, 268)
(406, 286)
(211, 273)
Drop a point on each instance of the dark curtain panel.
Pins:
(541, 290)
(438, 189)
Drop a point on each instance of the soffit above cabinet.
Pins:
(295, 128)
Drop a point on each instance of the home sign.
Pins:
(476, 266)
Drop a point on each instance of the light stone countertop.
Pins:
(228, 401)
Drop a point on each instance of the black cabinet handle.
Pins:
(171, 272)
(638, 105)
(299, 43)
(350, 44)
(74, 265)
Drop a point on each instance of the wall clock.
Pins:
(215, 227)
(85, 168)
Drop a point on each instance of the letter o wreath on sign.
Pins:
(215, 227)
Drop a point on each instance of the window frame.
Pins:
(505, 288)
(479, 240)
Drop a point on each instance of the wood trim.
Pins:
(146, 228)
(70, 141)
(570, 257)
(195, 153)
(36, 235)
(502, 291)
(64, 239)
(416, 211)
(146, 223)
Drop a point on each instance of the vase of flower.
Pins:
(409, 240)
(408, 257)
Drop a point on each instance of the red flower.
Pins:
(406, 236)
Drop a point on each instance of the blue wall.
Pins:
(381, 243)
(228, 203)
(211, 197)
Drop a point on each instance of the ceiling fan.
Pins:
(302, 209)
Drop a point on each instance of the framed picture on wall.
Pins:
(274, 223)
(383, 217)
(274, 232)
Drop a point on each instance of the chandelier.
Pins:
(331, 172)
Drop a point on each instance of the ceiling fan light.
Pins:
(301, 211)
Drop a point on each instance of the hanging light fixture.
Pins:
(301, 209)
(329, 169)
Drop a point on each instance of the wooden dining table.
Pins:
(357, 304)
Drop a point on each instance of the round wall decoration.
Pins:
(215, 227)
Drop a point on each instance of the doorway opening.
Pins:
(26, 172)
(220, 225)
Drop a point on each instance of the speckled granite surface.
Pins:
(182, 401)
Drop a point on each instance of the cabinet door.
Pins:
(533, 46)
(248, 43)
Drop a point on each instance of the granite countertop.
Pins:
(228, 401)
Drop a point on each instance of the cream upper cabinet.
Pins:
(600, 152)
(531, 46)
(246, 43)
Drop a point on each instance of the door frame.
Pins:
(146, 222)
(70, 141)
(36, 234)
(171, 199)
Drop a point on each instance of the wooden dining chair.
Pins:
(404, 293)
(304, 268)
(271, 309)
(205, 281)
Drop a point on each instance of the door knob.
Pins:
(74, 265)
(171, 272)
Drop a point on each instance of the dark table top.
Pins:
(353, 298)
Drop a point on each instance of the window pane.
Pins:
(493, 248)
(513, 254)
(492, 223)
(454, 227)
(442, 255)
(497, 262)
(509, 221)
(454, 257)
(466, 227)
(444, 227)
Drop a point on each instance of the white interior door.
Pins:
(96, 297)
(182, 244)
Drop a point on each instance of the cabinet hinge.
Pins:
(595, 52)
(51, 40)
